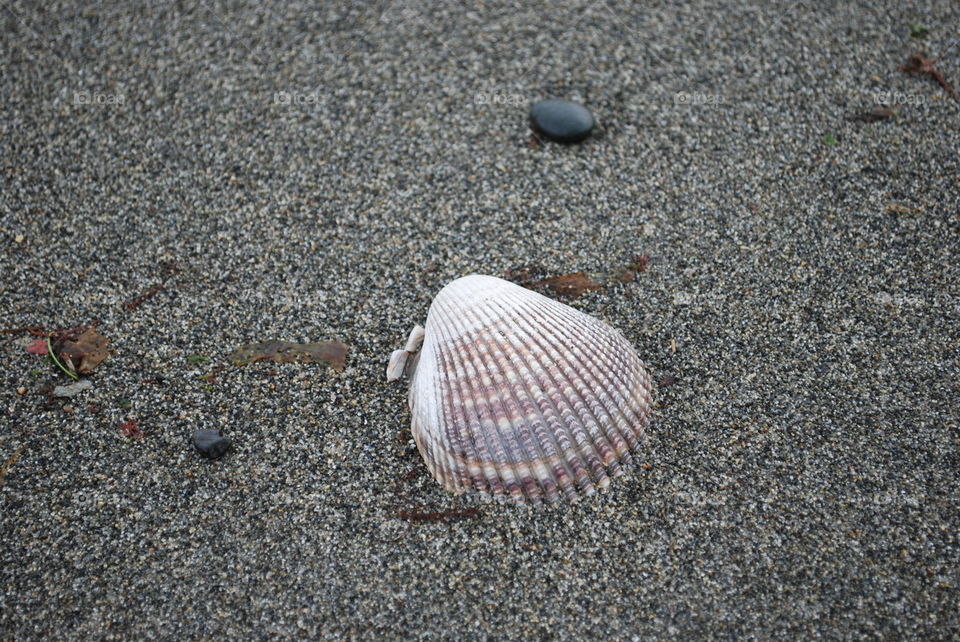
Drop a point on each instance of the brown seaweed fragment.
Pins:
(332, 353)
(570, 285)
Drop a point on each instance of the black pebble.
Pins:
(210, 443)
(562, 121)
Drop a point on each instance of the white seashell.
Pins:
(517, 395)
(400, 361)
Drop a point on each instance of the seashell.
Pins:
(403, 361)
(518, 396)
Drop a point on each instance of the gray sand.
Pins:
(319, 172)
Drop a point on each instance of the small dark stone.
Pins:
(211, 443)
(562, 121)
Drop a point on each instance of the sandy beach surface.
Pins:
(194, 176)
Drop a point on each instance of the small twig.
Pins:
(34, 330)
(168, 271)
(917, 64)
(7, 465)
(56, 359)
(146, 296)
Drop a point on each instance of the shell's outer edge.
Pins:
(413, 360)
(521, 397)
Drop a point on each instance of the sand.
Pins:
(316, 172)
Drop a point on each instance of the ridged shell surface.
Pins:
(519, 396)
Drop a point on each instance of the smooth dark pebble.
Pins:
(563, 121)
(211, 443)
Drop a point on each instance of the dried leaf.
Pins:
(570, 285)
(82, 353)
(38, 346)
(333, 353)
